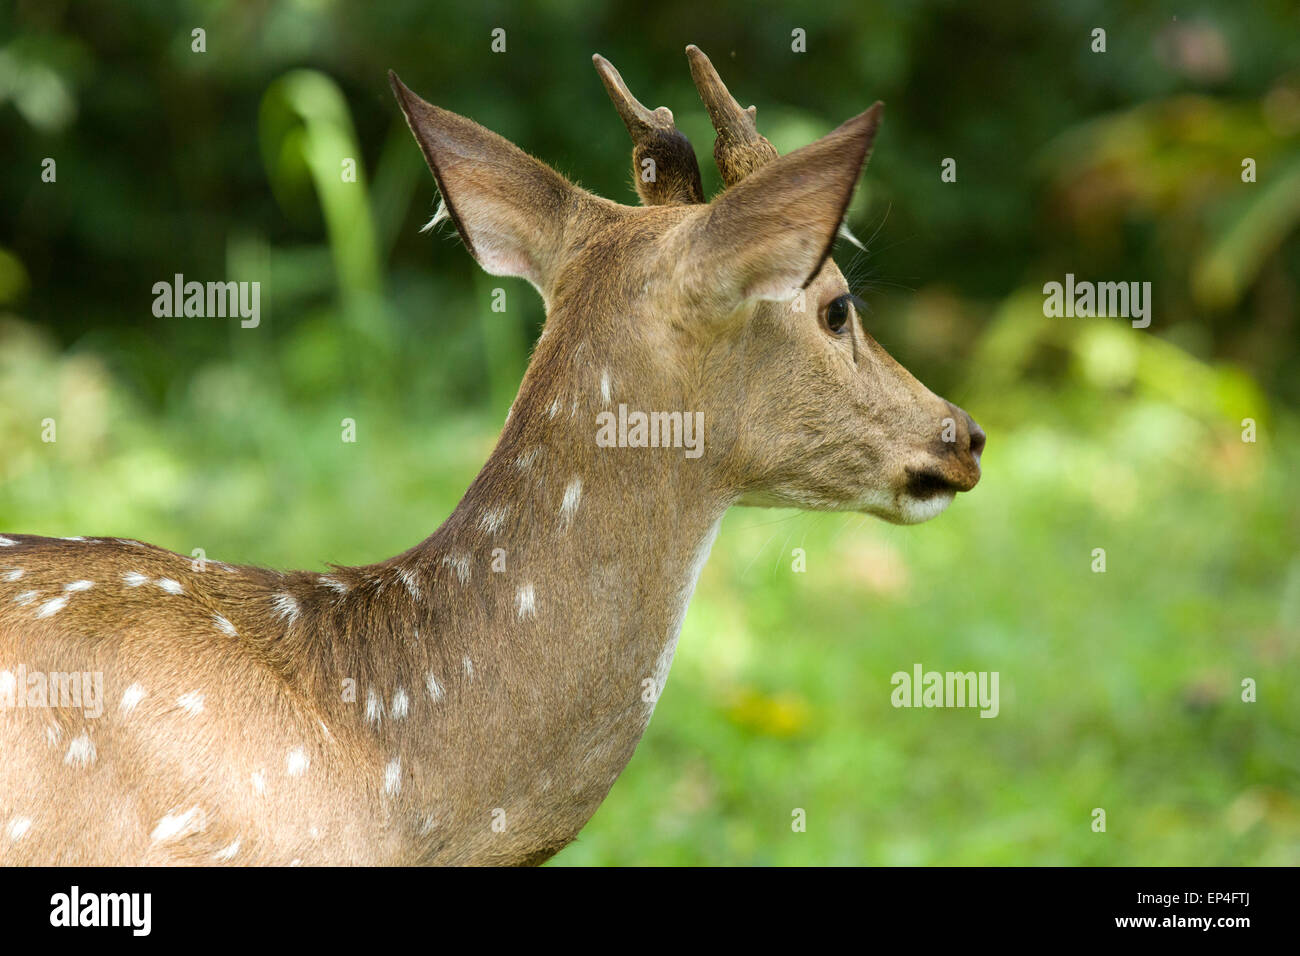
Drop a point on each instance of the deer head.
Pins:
(733, 307)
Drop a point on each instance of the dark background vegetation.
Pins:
(1120, 690)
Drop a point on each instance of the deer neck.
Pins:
(560, 585)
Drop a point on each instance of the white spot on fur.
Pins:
(326, 581)
(411, 581)
(374, 708)
(492, 519)
(133, 579)
(79, 586)
(131, 697)
(7, 683)
(75, 537)
(224, 626)
(170, 586)
(604, 386)
(555, 407)
(569, 504)
(175, 825)
(14, 575)
(526, 461)
(52, 607)
(435, 689)
(18, 828)
(192, 702)
(469, 667)
(401, 704)
(258, 780)
(393, 776)
(7, 542)
(297, 762)
(27, 597)
(459, 565)
(227, 852)
(81, 751)
(53, 734)
(526, 602)
(285, 605)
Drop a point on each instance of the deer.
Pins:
(472, 700)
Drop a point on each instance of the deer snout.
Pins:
(962, 467)
(953, 462)
(961, 464)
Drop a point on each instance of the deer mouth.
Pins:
(923, 485)
(926, 483)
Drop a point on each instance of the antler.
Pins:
(673, 175)
(740, 148)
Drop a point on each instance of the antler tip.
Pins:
(607, 70)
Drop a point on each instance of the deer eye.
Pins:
(837, 313)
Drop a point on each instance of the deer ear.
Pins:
(509, 208)
(767, 236)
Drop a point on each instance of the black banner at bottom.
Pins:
(299, 905)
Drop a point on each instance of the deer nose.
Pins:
(977, 439)
(962, 467)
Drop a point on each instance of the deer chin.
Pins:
(912, 510)
(903, 507)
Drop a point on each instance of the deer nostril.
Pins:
(977, 438)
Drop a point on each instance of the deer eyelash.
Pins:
(859, 304)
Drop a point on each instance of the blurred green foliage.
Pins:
(1119, 690)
